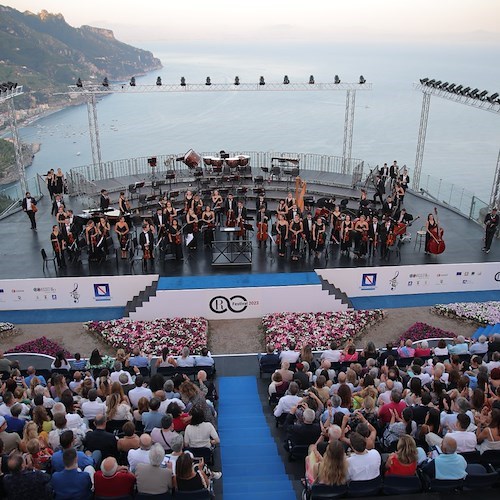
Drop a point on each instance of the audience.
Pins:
(113, 480)
(152, 478)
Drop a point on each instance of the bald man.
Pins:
(140, 456)
(447, 465)
(113, 480)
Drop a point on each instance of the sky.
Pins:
(453, 21)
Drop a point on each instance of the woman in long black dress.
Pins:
(345, 234)
(430, 231)
(59, 182)
(319, 236)
(208, 219)
(282, 235)
(103, 228)
(361, 232)
(122, 230)
(335, 225)
(56, 239)
(296, 231)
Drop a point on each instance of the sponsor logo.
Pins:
(369, 281)
(497, 277)
(75, 295)
(101, 291)
(235, 304)
(393, 281)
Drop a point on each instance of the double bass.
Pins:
(262, 228)
(436, 243)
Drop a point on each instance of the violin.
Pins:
(57, 247)
(321, 238)
(391, 239)
(178, 238)
(262, 228)
(364, 237)
(71, 239)
(436, 243)
(147, 253)
(347, 235)
(195, 227)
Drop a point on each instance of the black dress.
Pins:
(282, 229)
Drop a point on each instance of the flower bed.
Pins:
(422, 331)
(6, 330)
(41, 345)
(486, 313)
(152, 336)
(317, 329)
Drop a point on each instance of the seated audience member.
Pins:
(304, 433)
(31, 371)
(192, 396)
(67, 441)
(140, 391)
(187, 476)
(207, 387)
(406, 350)
(168, 388)
(180, 419)
(278, 386)
(325, 368)
(71, 483)
(333, 354)
(101, 440)
(94, 406)
(39, 457)
(205, 359)
(290, 355)
(78, 363)
(403, 462)
(152, 478)
(302, 376)
(488, 431)
(200, 433)
(328, 435)
(285, 372)
(448, 464)
(185, 360)
(22, 483)
(363, 464)
(370, 351)
(331, 468)
(115, 376)
(422, 350)
(459, 346)
(140, 456)
(479, 347)
(113, 480)
(398, 426)
(466, 440)
(349, 354)
(390, 350)
(130, 440)
(137, 360)
(177, 450)
(153, 417)
(385, 413)
(270, 357)
(441, 349)
(14, 423)
(288, 401)
(164, 433)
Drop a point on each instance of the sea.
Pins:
(462, 143)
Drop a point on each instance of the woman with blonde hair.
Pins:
(404, 461)
(30, 432)
(331, 469)
(42, 420)
(33, 383)
(306, 354)
(116, 410)
(121, 356)
(117, 388)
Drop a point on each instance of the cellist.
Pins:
(296, 231)
(262, 226)
(433, 234)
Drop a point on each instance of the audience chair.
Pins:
(46, 260)
(478, 477)
(446, 485)
(491, 457)
(401, 485)
(268, 368)
(296, 451)
(365, 488)
(205, 453)
(325, 492)
(194, 495)
(472, 457)
(115, 426)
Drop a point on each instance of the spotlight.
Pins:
(465, 91)
(158, 81)
(458, 89)
(473, 93)
(423, 81)
(336, 80)
(208, 82)
(132, 81)
(286, 81)
(362, 80)
(483, 95)
(493, 97)
(451, 87)
(430, 83)
(3, 87)
(11, 85)
(311, 80)
(79, 83)
(236, 80)
(261, 81)
(105, 82)
(437, 84)
(183, 82)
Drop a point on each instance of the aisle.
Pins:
(251, 465)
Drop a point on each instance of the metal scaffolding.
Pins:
(91, 91)
(8, 97)
(424, 115)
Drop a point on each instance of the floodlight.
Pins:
(183, 82)
(286, 81)
(132, 81)
(336, 80)
(261, 81)
(208, 81)
(311, 80)
(158, 81)
(362, 80)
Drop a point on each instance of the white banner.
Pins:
(407, 280)
(79, 292)
(235, 303)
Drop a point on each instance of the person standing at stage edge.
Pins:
(491, 223)
(29, 206)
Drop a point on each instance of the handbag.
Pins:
(34, 208)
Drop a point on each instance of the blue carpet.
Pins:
(251, 465)
(77, 315)
(237, 281)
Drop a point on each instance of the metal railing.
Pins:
(12, 196)
(82, 180)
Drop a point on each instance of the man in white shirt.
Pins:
(164, 402)
(205, 359)
(363, 464)
(287, 402)
(466, 440)
(139, 391)
(292, 356)
(333, 354)
(94, 406)
(140, 456)
(185, 360)
(479, 347)
(115, 376)
(495, 363)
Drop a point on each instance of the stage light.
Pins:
(261, 81)
(236, 80)
(362, 80)
(286, 81)
(158, 81)
(451, 87)
(438, 84)
(473, 93)
(132, 81)
(493, 97)
(444, 85)
(465, 91)
(11, 85)
(311, 80)
(3, 87)
(336, 80)
(79, 83)
(183, 82)
(458, 89)
(105, 82)
(483, 95)
(423, 81)
(208, 81)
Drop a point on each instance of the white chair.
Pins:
(419, 238)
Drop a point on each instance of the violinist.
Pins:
(296, 232)
(402, 216)
(230, 210)
(122, 230)
(208, 221)
(364, 204)
(308, 225)
(394, 173)
(404, 178)
(388, 207)
(294, 210)
(175, 239)
(51, 182)
(103, 229)
(69, 240)
(192, 223)
(188, 201)
(386, 234)
(241, 216)
(123, 204)
(491, 223)
(259, 202)
(399, 194)
(361, 240)
(170, 211)
(262, 226)
(319, 236)
(91, 236)
(290, 201)
(373, 235)
(198, 205)
(281, 234)
(217, 205)
(57, 204)
(57, 240)
(282, 208)
(336, 225)
(61, 216)
(146, 241)
(160, 221)
(345, 234)
(379, 189)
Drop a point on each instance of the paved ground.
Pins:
(242, 336)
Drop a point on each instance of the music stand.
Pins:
(170, 176)
(275, 172)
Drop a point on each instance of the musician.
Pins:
(336, 225)
(230, 209)
(160, 221)
(308, 230)
(104, 201)
(146, 241)
(197, 204)
(170, 211)
(175, 239)
(431, 228)
(300, 192)
(361, 236)
(319, 236)
(241, 215)
(364, 204)
(188, 201)
(384, 173)
(388, 207)
(259, 202)
(402, 216)
(296, 232)
(394, 172)
(290, 200)
(56, 239)
(281, 234)
(56, 205)
(61, 216)
(208, 221)
(68, 235)
(294, 210)
(51, 182)
(104, 229)
(123, 204)
(491, 223)
(345, 234)
(217, 205)
(379, 190)
(385, 231)
(122, 231)
(282, 208)
(404, 178)
(262, 226)
(192, 227)
(373, 235)
(399, 194)
(91, 236)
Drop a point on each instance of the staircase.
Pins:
(251, 466)
(333, 290)
(486, 330)
(138, 300)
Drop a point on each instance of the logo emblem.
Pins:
(235, 304)
(369, 281)
(394, 282)
(101, 291)
(497, 276)
(74, 294)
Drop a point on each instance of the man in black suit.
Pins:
(403, 216)
(388, 207)
(393, 173)
(373, 236)
(379, 189)
(104, 203)
(29, 206)
(386, 228)
(308, 224)
(100, 443)
(146, 241)
(294, 210)
(241, 212)
(230, 206)
(58, 203)
(384, 172)
(301, 434)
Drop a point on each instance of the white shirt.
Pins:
(186, 362)
(290, 356)
(285, 404)
(466, 441)
(135, 457)
(425, 378)
(139, 392)
(364, 467)
(164, 404)
(91, 409)
(115, 376)
(332, 356)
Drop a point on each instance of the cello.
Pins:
(436, 244)
(262, 231)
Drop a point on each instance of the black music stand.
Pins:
(275, 172)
